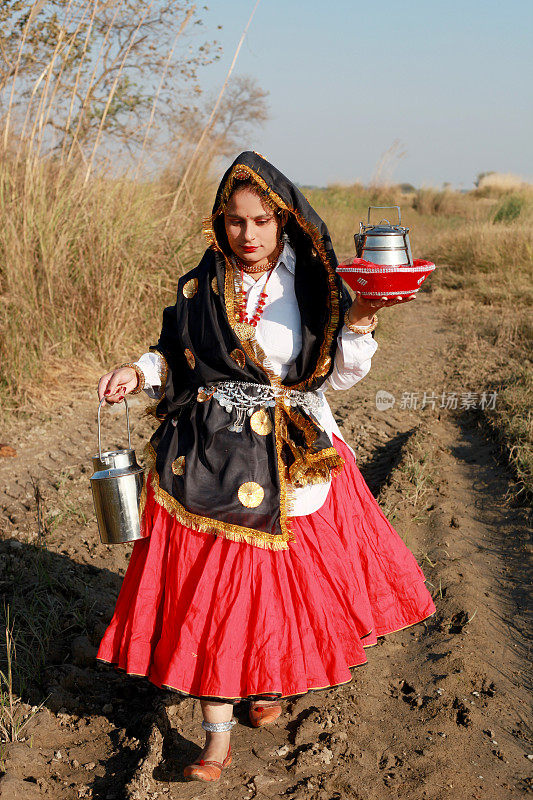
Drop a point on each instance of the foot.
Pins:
(216, 746)
(217, 749)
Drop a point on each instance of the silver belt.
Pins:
(246, 398)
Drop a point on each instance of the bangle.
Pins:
(140, 377)
(360, 328)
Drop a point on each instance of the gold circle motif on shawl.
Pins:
(260, 422)
(239, 357)
(214, 285)
(191, 361)
(190, 288)
(251, 494)
(178, 465)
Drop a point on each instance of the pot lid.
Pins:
(384, 228)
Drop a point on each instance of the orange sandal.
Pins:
(210, 770)
(264, 715)
(207, 770)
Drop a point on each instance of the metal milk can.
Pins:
(384, 244)
(116, 486)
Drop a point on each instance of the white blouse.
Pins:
(279, 335)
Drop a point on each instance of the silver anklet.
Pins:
(218, 726)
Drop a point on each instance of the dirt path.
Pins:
(438, 712)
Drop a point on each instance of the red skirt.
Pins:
(209, 617)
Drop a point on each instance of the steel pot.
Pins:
(116, 486)
(384, 244)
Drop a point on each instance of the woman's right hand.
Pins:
(114, 386)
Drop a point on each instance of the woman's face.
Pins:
(251, 227)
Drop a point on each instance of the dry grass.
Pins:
(85, 269)
(448, 204)
(485, 280)
(487, 249)
(86, 261)
(14, 717)
(498, 183)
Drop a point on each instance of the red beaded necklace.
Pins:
(243, 317)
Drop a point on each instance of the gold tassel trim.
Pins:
(303, 424)
(144, 493)
(308, 467)
(208, 231)
(235, 533)
(324, 359)
(240, 172)
(283, 499)
(151, 411)
(315, 467)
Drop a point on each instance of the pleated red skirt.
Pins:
(214, 618)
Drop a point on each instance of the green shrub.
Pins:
(510, 209)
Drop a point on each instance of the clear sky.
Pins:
(452, 81)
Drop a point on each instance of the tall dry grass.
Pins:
(85, 269)
(88, 261)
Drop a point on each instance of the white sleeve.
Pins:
(152, 367)
(352, 359)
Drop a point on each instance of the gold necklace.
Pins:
(263, 268)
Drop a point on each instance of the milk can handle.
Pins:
(102, 401)
(396, 207)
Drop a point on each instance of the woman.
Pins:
(268, 566)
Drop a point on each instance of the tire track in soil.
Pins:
(439, 709)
